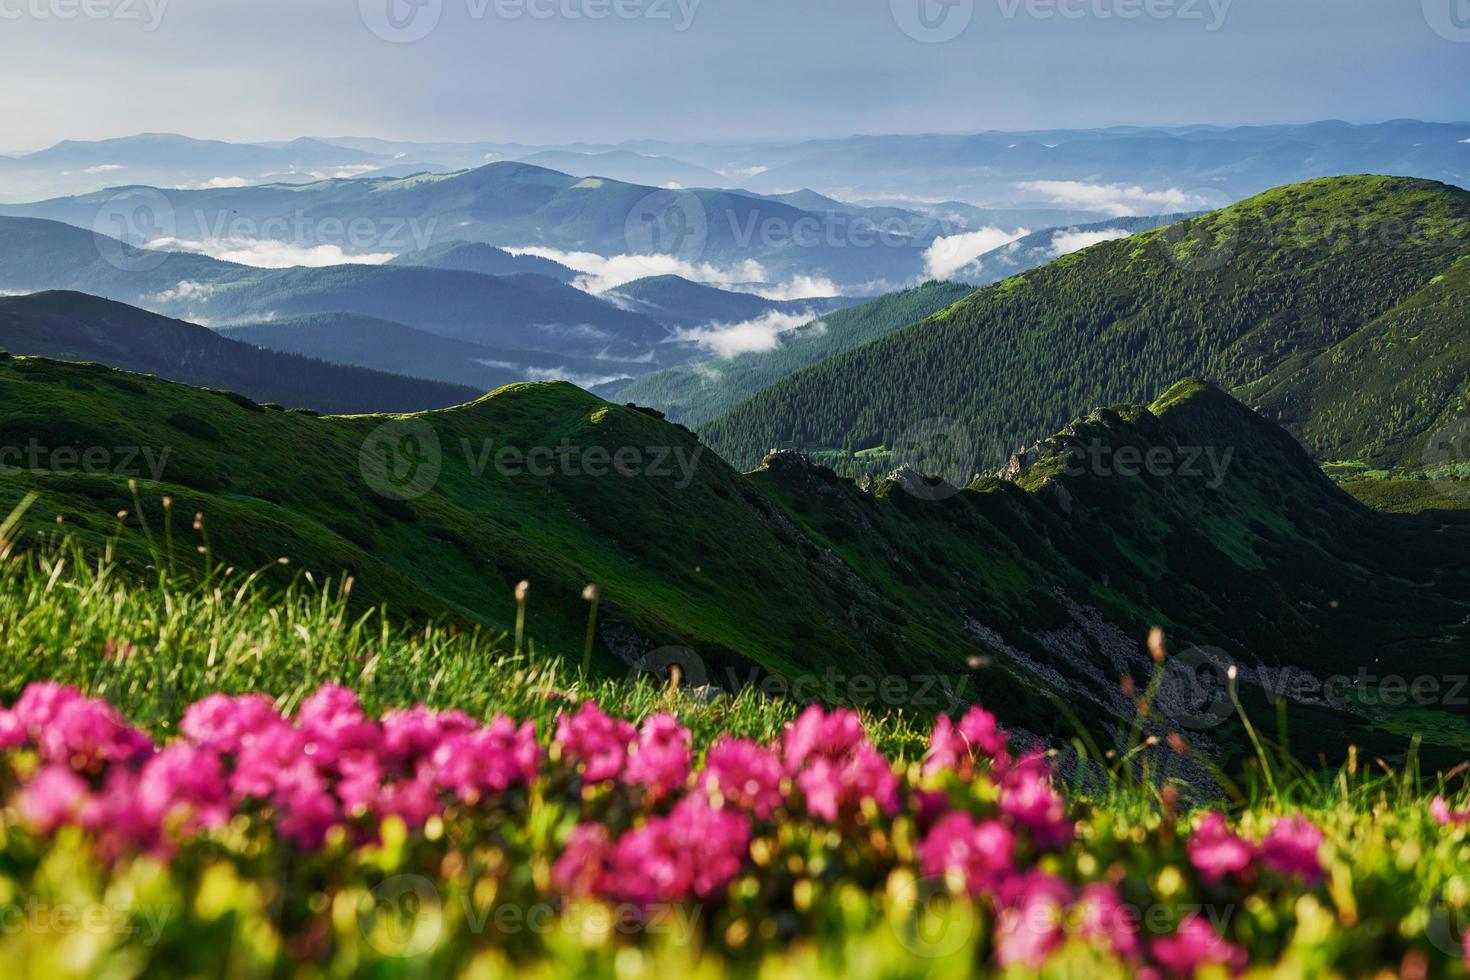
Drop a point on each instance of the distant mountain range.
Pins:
(77, 327)
(998, 170)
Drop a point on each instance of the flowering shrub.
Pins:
(815, 835)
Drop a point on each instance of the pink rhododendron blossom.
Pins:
(579, 870)
(1029, 925)
(489, 760)
(52, 798)
(835, 766)
(223, 723)
(87, 733)
(746, 776)
(981, 852)
(333, 723)
(1215, 851)
(596, 741)
(693, 852)
(12, 732)
(1029, 799)
(660, 760)
(1102, 917)
(1293, 847)
(1196, 944)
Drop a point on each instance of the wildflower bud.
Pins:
(283, 561)
(1231, 672)
(1156, 644)
(199, 521)
(122, 515)
(1151, 741)
(1178, 743)
(589, 593)
(521, 591)
(168, 503)
(1126, 682)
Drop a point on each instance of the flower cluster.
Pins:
(621, 813)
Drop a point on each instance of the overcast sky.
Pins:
(555, 71)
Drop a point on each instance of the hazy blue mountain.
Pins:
(76, 327)
(1040, 247)
(387, 346)
(635, 168)
(484, 259)
(519, 312)
(676, 302)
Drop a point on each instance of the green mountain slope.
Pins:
(1051, 581)
(78, 327)
(696, 394)
(1250, 297)
(1041, 247)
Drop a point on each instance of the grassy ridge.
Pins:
(1048, 584)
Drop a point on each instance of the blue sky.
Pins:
(605, 70)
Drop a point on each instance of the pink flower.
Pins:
(1444, 816)
(1102, 917)
(660, 760)
(1194, 945)
(88, 733)
(579, 870)
(1215, 851)
(333, 723)
(415, 733)
(1293, 847)
(983, 853)
(596, 741)
(746, 775)
(1029, 926)
(52, 798)
(835, 766)
(694, 852)
(40, 702)
(489, 760)
(223, 723)
(1029, 800)
(12, 732)
(184, 784)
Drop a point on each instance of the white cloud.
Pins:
(266, 254)
(950, 254)
(580, 380)
(799, 287)
(749, 337)
(744, 173)
(601, 273)
(103, 168)
(221, 183)
(1115, 200)
(1067, 242)
(184, 292)
(1465, 141)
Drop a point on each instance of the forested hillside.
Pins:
(1278, 297)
